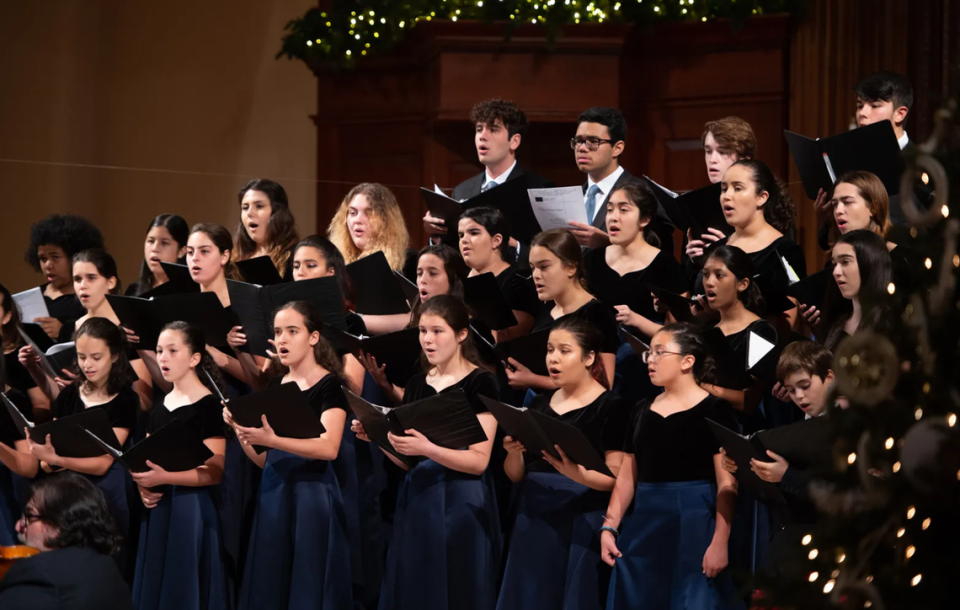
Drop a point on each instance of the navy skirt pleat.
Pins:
(663, 543)
(180, 556)
(445, 550)
(299, 553)
(553, 557)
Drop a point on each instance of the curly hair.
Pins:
(779, 210)
(389, 231)
(489, 111)
(323, 352)
(590, 340)
(281, 227)
(121, 374)
(70, 232)
(72, 505)
(733, 133)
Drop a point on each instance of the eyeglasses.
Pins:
(29, 517)
(649, 356)
(591, 142)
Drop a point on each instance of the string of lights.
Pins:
(351, 29)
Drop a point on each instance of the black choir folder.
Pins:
(446, 419)
(734, 372)
(694, 210)
(287, 409)
(147, 317)
(510, 198)
(259, 270)
(399, 350)
(68, 434)
(376, 291)
(812, 290)
(254, 305)
(529, 350)
(483, 296)
(174, 447)
(539, 433)
(742, 449)
(58, 357)
(677, 304)
(179, 281)
(821, 162)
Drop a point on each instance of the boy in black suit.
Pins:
(499, 128)
(600, 140)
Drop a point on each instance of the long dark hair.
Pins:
(323, 352)
(876, 273)
(562, 244)
(335, 261)
(105, 264)
(690, 341)
(741, 266)
(453, 266)
(456, 315)
(179, 230)
(589, 339)
(779, 210)
(640, 195)
(495, 223)
(194, 340)
(121, 374)
(281, 227)
(223, 242)
(77, 510)
(8, 332)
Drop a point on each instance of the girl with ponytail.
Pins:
(554, 555)
(179, 561)
(299, 554)
(672, 551)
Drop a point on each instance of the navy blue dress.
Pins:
(180, 559)
(122, 412)
(299, 553)
(9, 501)
(445, 550)
(553, 557)
(674, 514)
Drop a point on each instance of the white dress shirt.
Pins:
(605, 187)
(903, 140)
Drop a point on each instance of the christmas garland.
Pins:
(355, 28)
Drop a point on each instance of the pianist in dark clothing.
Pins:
(66, 518)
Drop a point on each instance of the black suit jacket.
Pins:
(471, 188)
(661, 225)
(65, 579)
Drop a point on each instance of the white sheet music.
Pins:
(757, 349)
(555, 208)
(31, 304)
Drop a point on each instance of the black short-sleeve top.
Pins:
(679, 447)
(630, 288)
(205, 416)
(121, 410)
(323, 395)
(518, 291)
(765, 260)
(604, 422)
(601, 315)
(477, 383)
(18, 377)
(8, 430)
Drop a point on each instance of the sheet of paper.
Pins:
(791, 273)
(757, 349)
(31, 304)
(555, 208)
(438, 190)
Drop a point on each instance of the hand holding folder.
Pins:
(539, 432)
(529, 350)
(287, 409)
(58, 357)
(174, 448)
(399, 351)
(68, 435)
(742, 450)
(147, 317)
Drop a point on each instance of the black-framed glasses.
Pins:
(29, 517)
(649, 356)
(591, 142)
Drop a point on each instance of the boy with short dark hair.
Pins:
(884, 96)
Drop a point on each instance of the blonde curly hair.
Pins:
(389, 231)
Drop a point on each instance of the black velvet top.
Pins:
(8, 430)
(205, 416)
(18, 377)
(121, 410)
(679, 447)
(629, 289)
(477, 383)
(518, 290)
(65, 307)
(765, 261)
(601, 315)
(604, 422)
(325, 394)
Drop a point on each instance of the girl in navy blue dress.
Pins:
(672, 552)
(104, 381)
(180, 564)
(444, 554)
(299, 554)
(553, 561)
